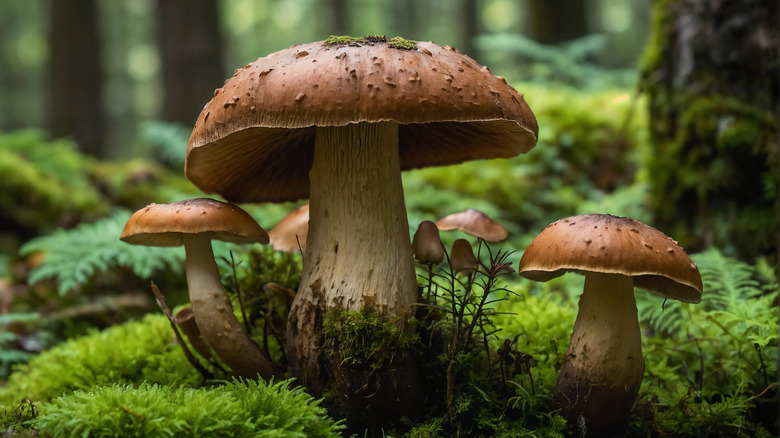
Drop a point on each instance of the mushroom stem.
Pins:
(603, 368)
(214, 313)
(358, 254)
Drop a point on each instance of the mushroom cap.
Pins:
(613, 245)
(462, 256)
(291, 231)
(476, 223)
(426, 244)
(166, 224)
(254, 140)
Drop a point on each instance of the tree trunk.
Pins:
(553, 22)
(712, 76)
(191, 53)
(75, 106)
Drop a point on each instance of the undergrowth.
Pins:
(237, 408)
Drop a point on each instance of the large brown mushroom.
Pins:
(337, 121)
(193, 223)
(603, 368)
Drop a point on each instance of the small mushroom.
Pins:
(603, 368)
(290, 233)
(462, 256)
(475, 223)
(426, 244)
(193, 223)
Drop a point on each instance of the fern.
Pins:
(74, 256)
(8, 354)
(168, 141)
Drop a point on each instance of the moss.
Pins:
(402, 43)
(238, 408)
(395, 42)
(364, 338)
(130, 353)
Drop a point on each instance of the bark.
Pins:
(192, 56)
(603, 368)
(358, 258)
(75, 107)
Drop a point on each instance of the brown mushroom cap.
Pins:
(261, 123)
(476, 223)
(290, 233)
(164, 224)
(613, 245)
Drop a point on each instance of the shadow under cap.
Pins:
(613, 245)
(253, 141)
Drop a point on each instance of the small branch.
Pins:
(167, 311)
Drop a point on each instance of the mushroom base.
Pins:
(358, 257)
(603, 368)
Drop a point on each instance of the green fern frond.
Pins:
(168, 140)
(75, 256)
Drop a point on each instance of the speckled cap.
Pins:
(165, 224)
(254, 140)
(613, 245)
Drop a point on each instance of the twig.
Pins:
(167, 311)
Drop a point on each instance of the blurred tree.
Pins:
(712, 76)
(552, 22)
(192, 59)
(470, 19)
(337, 21)
(75, 107)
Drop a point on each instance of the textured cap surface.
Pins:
(254, 140)
(613, 245)
(165, 224)
(476, 223)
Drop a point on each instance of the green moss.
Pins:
(246, 409)
(130, 353)
(363, 338)
(340, 40)
(395, 42)
(402, 43)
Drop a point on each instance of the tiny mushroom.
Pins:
(426, 244)
(603, 368)
(193, 223)
(476, 223)
(290, 233)
(462, 257)
(337, 121)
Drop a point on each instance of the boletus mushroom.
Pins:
(337, 121)
(193, 223)
(603, 368)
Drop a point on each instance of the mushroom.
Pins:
(426, 245)
(475, 223)
(462, 257)
(337, 121)
(193, 223)
(603, 368)
(289, 234)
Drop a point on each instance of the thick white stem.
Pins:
(358, 254)
(603, 368)
(214, 313)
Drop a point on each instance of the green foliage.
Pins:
(566, 63)
(710, 366)
(75, 256)
(8, 354)
(167, 140)
(237, 409)
(45, 183)
(363, 338)
(141, 351)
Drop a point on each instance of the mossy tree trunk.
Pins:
(712, 76)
